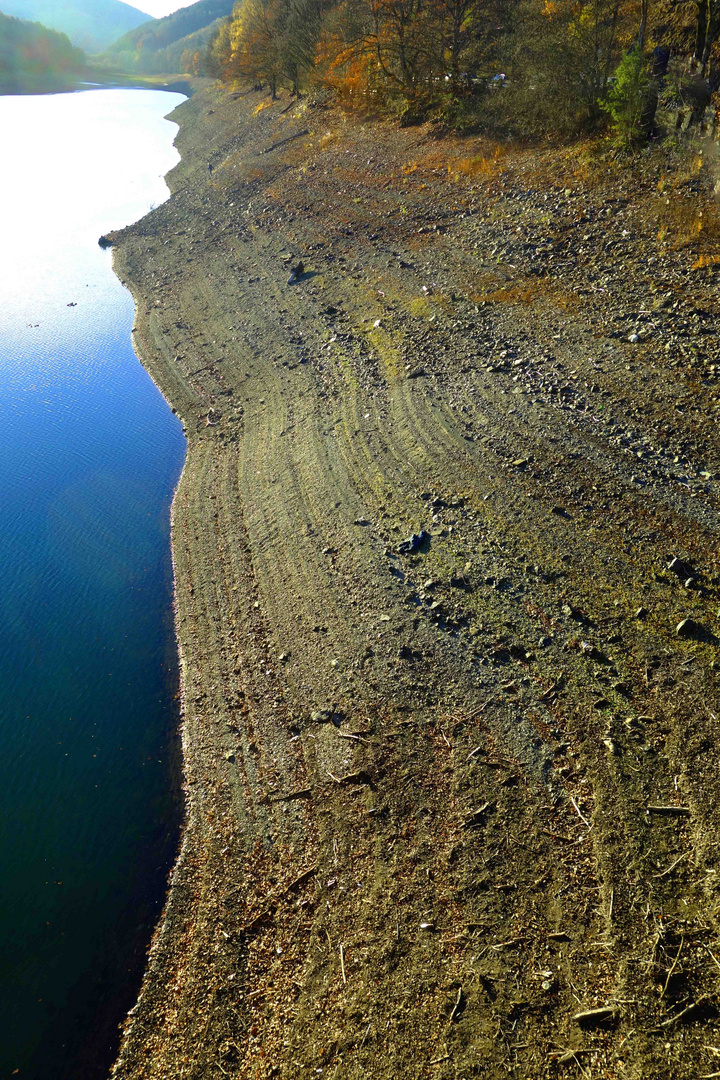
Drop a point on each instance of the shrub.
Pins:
(627, 99)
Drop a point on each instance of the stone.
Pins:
(688, 628)
(321, 716)
(680, 568)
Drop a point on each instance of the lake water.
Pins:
(89, 456)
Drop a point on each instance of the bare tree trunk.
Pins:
(711, 33)
(701, 28)
(644, 5)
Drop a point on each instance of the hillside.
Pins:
(90, 24)
(34, 59)
(166, 44)
(447, 592)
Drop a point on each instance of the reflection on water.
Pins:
(89, 456)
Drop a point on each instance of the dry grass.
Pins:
(478, 168)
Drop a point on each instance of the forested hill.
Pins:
(174, 43)
(529, 68)
(91, 24)
(35, 59)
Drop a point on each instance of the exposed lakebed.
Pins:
(89, 456)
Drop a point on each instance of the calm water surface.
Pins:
(89, 456)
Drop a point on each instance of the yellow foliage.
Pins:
(706, 260)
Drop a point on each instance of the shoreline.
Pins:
(176, 84)
(407, 770)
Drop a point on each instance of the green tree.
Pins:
(627, 98)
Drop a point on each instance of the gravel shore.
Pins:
(450, 756)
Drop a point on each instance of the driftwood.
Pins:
(595, 1017)
(282, 142)
(303, 793)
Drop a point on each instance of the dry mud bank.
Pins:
(440, 802)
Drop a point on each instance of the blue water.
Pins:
(89, 457)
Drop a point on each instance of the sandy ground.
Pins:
(444, 798)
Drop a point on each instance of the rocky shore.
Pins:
(447, 589)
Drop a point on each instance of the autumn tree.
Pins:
(561, 55)
(254, 43)
(299, 28)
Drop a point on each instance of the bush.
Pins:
(627, 99)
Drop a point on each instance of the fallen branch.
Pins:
(360, 777)
(577, 808)
(669, 811)
(347, 735)
(303, 793)
(458, 1006)
(674, 965)
(571, 1055)
(594, 1017)
(688, 1009)
(282, 142)
(673, 865)
(302, 879)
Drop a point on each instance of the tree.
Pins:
(707, 31)
(254, 43)
(627, 98)
(561, 55)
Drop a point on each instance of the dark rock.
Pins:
(414, 543)
(680, 568)
(296, 273)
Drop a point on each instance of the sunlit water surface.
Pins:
(89, 456)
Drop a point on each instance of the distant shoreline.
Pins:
(96, 80)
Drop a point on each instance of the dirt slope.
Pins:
(421, 837)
